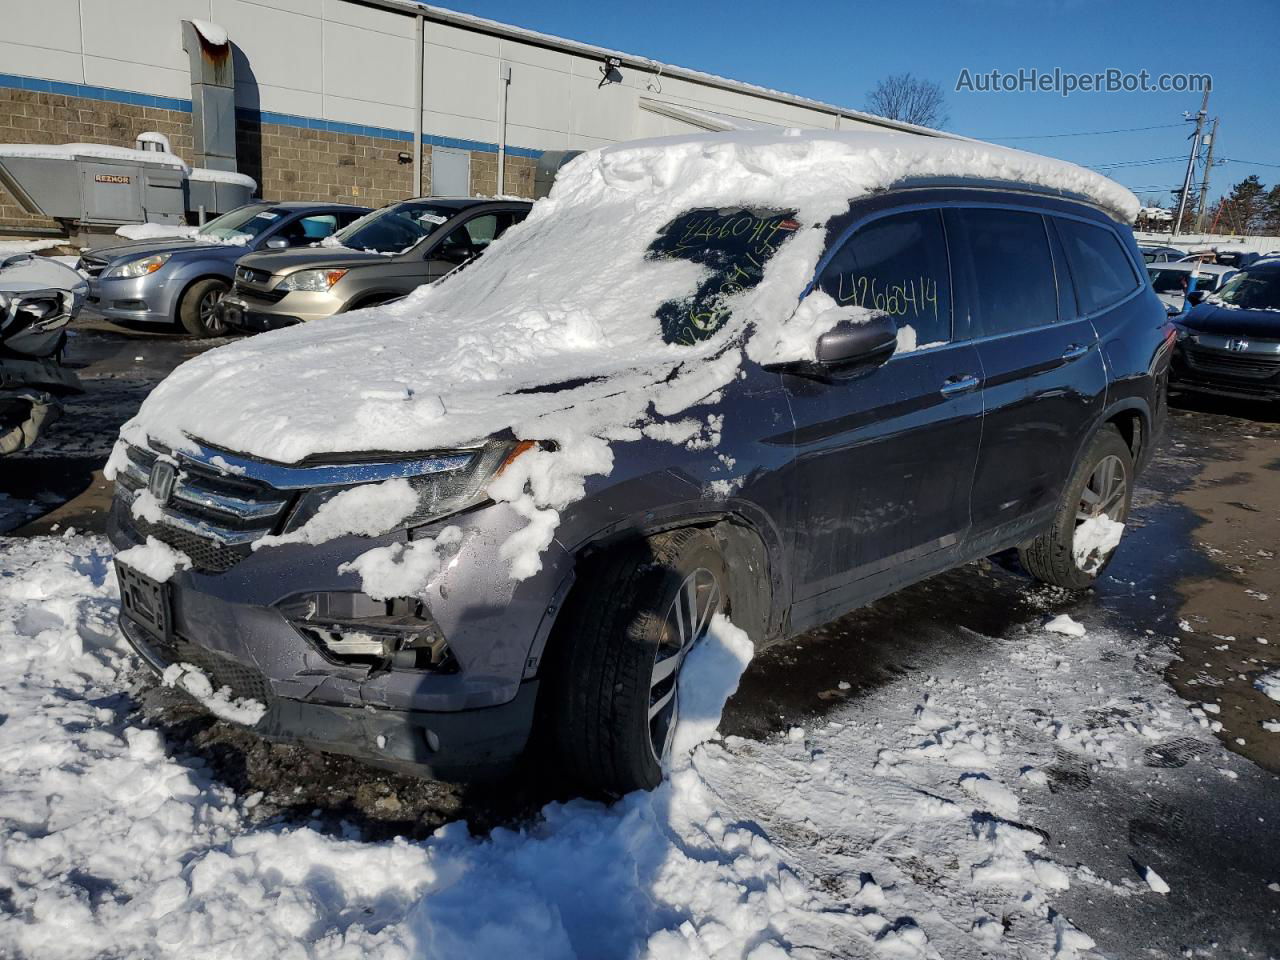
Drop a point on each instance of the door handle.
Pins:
(1075, 351)
(958, 385)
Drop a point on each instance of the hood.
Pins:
(26, 273)
(1233, 322)
(146, 248)
(310, 258)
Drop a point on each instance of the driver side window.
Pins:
(311, 229)
(897, 265)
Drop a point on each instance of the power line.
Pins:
(1136, 163)
(1252, 163)
(1086, 133)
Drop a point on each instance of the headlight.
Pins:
(314, 281)
(460, 482)
(139, 268)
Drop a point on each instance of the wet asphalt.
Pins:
(1199, 572)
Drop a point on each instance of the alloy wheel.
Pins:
(208, 310)
(1106, 492)
(687, 621)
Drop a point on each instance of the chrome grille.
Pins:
(211, 515)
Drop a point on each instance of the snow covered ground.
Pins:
(904, 825)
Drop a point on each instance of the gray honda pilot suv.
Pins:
(768, 376)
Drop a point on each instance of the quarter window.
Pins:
(1011, 269)
(897, 265)
(1100, 266)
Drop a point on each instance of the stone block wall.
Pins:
(289, 162)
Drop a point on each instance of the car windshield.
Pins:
(1253, 290)
(735, 244)
(394, 229)
(246, 222)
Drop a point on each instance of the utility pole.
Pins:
(1204, 184)
(1191, 164)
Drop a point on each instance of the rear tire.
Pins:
(197, 309)
(632, 618)
(1102, 483)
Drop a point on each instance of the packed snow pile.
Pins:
(901, 825)
(219, 702)
(1094, 541)
(155, 231)
(574, 296)
(1269, 683)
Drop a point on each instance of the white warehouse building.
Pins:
(365, 101)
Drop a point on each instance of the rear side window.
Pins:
(1010, 266)
(1100, 265)
(897, 265)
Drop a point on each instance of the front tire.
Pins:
(197, 311)
(633, 617)
(1101, 485)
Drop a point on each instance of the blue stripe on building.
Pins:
(113, 95)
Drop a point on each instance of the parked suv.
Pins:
(180, 280)
(378, 258)
(698, 380)
(1230, 343)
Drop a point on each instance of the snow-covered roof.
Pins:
(571, 295)
(209, 175)
(103, 151)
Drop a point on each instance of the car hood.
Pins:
(176, 245)
(312, 258)
(1233, 322)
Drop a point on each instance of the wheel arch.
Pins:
(198, 276)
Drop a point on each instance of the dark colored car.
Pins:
(1230, 343)
(1028, 398)
(180, 280)
(380, 257)
(1158, 254)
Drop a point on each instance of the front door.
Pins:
(884, 460)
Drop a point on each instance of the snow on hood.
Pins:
(569, 296)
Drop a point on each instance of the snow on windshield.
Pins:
(572, 294)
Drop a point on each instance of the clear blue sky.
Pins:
(835, 52)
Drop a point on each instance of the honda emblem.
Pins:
(161, 481)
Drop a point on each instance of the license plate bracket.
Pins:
(147, 602)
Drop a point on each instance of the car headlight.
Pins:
(313, 281)
(139, 268)
(460, 481)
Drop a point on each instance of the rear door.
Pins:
(1044, 381)
(884, 459)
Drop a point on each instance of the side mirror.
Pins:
(1196, 297)
(849, 344)
(277, 243)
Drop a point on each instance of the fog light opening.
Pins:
(353, 628)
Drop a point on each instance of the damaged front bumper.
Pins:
(282, 626)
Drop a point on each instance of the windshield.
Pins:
(247, 222)
(394, 229)
(1253, 290)
(735, 244)
(1179, 281)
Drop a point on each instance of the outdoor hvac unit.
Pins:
(90, 185)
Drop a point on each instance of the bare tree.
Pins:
(907, 98)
